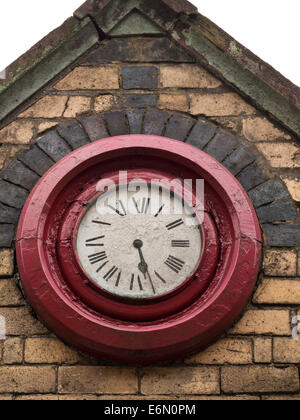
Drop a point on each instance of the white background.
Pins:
(269, 28)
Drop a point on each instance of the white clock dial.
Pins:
(138, 245)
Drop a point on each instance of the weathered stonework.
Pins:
(47, 107)
(219, 105)
(187, 76)
(17, 133)
(86, 78)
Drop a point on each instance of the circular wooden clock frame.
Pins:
(96, 322)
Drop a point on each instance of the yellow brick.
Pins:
(45, 397)
(273, 291)
(103, 103)
(258, 379)
(284, 397)
(260, 129)
(47, 107)
(19, 321)
(6, 397)
(6, 263)
(224, 398)
(280, 263)
(229, 123)
(90, 79)
(77, 105)
(281, 155)
(24, 379)
(46, 126)
(3, 154)
(136, 398)
(219, 105)
(293, 186)
(13, 351)
(231, 351)
(180, 380)
(15, 150)
(49, 350)
(178, 398)
(286, 350)
(173, 102)
(263, 350)
(99, 380)
(187, 76)
(56, 398)
(275, 322)
(18, 132)
(10, 295)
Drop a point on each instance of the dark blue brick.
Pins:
(179, 127)
(201, 134)
(7, 233)
(277, 212)
(135, 120)
(74, 135)
(155, 122)
(139, 100)
(116, 123)
(12, 196)
(268, 192)
(141, 50)
(238, 160)
(140, 77)
(9, 215)
(54, 146)
(282, 235)
(18, 174)
(221, 146)
(252, 176)
(36, 160)
(95, 127)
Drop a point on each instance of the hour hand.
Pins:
(143, 266)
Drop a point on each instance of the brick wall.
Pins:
(257, 358)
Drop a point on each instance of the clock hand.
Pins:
(143, 266)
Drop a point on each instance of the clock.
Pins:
(138, 242)
(138, 249)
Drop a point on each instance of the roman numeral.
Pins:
(180, 244)
(111, 273)
(95, 258)
(145, 205)
(160, 277)
(88, 242)
(118, 211)
(175, 264)
(175, 224)
(159, 211)
(101, 223)
(103, 265)
(118, 279)
(133, 281)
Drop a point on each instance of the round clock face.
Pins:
(139, 244)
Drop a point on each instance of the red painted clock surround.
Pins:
(97, 323)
